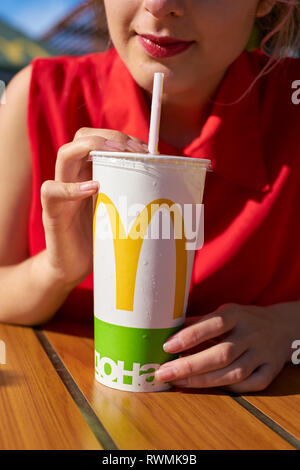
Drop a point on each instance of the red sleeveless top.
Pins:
(251, 253)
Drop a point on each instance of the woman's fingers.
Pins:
(72, 157)
(208, 327)
(110, 135)
(260, 379)
(55, 193)
(236, 373)
(215, 357)
(114, 140)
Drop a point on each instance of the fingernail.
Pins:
(173, 345)
(112, 145)
(165, 374)
(145, 147)
(135, 146)
(89, 186)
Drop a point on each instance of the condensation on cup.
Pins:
(148, 222)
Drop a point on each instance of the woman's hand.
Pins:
(251, 346)
(67, 203)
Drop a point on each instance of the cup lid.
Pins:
(95, 155)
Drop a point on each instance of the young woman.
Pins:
(221, 103)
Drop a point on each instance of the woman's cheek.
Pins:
(228, 32)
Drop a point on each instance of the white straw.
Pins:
(155, 113)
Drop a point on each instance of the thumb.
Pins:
(55, 193)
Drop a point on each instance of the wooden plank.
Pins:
(281, 400)
(168, 420)
(36, 410)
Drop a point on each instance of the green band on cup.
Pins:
(129, 356)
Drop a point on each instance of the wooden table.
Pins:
(50, 400)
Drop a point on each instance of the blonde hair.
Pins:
(280, 30)
(280, 36)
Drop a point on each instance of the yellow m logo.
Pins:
(127, 252)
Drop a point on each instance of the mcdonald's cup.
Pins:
(148, 222)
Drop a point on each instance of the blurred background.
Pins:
(31, 28)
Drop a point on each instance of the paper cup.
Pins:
(143, 260)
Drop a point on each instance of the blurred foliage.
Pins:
(16, 49)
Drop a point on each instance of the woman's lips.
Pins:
(163, 47)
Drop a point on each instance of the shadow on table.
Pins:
(8, 378)
(196, 391)
(82, 330)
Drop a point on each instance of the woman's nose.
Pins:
(161, 8)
